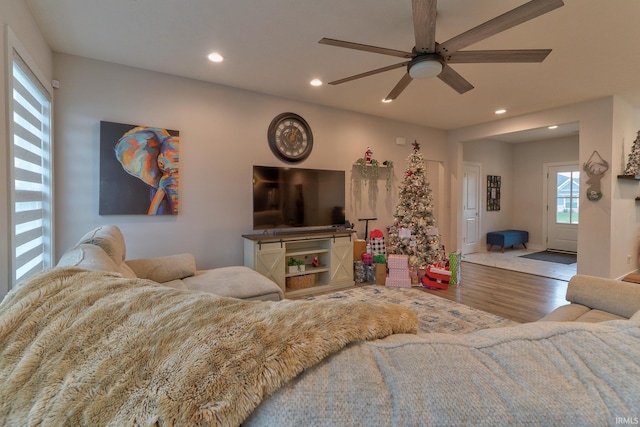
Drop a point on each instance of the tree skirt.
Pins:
(436, 314)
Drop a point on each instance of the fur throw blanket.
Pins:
(93, 348)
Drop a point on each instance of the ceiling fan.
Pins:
(429, 58)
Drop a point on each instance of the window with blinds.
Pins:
(31, 177)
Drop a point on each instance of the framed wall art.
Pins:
(493, 192)
(138, 170)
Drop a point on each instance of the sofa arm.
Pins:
(164, 269)
(613, 296)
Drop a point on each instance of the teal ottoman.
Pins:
(507, 238)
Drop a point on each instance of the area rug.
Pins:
(435, 314)
(549, 256)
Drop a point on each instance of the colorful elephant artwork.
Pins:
(150, 154)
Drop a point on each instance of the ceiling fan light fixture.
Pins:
(425, 69)
(430, 59)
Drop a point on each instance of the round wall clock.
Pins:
(290, 137)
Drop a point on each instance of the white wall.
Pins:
(222, 134)
(15, 15)
(601, 128)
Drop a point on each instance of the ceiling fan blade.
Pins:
(369, 73)
(455, 80)
(498, 24)
(399, 87)
(495, 56)
(366, 48)
(424, 25)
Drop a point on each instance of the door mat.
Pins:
(557, 257)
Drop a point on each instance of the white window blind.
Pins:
(31, 177)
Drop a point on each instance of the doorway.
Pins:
(471, 208)
(562, 206)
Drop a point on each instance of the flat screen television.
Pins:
(285, 197)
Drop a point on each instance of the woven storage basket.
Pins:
(301, 282)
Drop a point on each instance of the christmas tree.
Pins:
(414, 231)
(633, 163)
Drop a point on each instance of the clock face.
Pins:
(290, 137)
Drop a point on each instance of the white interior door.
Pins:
(563, 202)
(471, 208)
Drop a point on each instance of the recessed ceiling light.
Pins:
(553, 127)
(215, 57)
(316, 82)
(386, 101)
(501, 111)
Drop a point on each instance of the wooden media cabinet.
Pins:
(268, 254)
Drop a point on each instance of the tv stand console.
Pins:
(288, 232)
(268, 255)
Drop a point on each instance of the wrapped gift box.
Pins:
(433, 284)
(399, 273)
(359, 274)
(367, 259)
(398, 261)
(438, 273)
(455, 259)
(381, 274)
(377, 245)
(359, 247)
(370, 273)
(404, 282)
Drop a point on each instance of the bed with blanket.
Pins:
(82, 347)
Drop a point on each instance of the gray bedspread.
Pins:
(546, 373)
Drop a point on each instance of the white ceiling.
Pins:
(271, 47)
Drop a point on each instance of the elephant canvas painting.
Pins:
(139, 171)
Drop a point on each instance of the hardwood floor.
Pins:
(517, 296)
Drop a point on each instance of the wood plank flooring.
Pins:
(517, 296)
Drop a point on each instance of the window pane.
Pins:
(568, 197)
(30, 164)
(562, 213)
